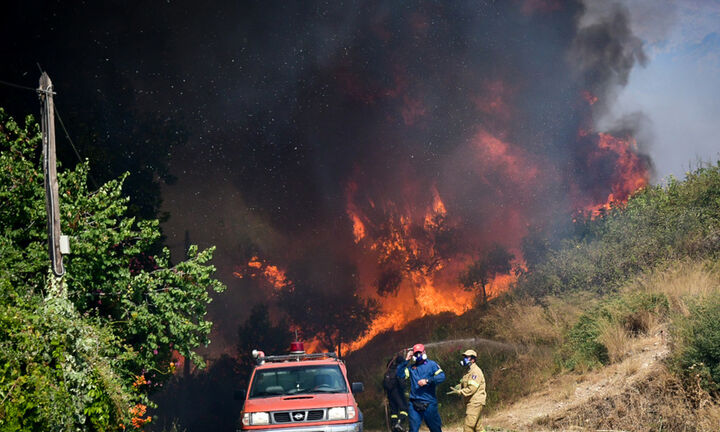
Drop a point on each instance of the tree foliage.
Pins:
(663, 222)
(123, 310)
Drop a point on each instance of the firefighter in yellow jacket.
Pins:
(472, 388)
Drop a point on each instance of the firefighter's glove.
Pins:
(454, 390)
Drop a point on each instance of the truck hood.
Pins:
(298, 402)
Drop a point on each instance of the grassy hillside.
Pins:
(649, 267)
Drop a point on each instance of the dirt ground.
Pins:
(570, 391)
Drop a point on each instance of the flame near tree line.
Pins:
(449, 137)
(415, 261)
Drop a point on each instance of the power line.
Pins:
(72, 144)
(9, 84)
(57, 113)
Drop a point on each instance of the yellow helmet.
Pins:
(470, 353)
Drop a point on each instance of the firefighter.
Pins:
(472, 388)
(424, 375)
(395, 395)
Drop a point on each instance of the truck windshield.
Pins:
(297, 380)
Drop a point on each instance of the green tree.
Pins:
(495, 262)
(125, 310)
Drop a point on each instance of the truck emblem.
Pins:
(298, 416)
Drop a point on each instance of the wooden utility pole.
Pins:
(52, 199)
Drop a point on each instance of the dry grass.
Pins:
(661, 401)
(630, 366)
(658, 402)
(688, 279)
(566, 386)
(615, 338)
(527, 323)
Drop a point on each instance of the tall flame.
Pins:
(410, 243)
(630, 173)
(428, 280)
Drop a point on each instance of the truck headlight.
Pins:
(341, 413)
(337, 413)
(256, 418)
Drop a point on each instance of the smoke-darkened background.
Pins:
(349, 159)
(311, 136)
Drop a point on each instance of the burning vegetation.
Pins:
(426, 151)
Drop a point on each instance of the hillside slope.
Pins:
(615, 327)
(567, 395)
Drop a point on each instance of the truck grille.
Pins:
(315, 415)
(298, 416)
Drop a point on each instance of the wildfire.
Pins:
(410, 250)
(437, 210)
(496, 154)
(589, 97)
(272, 274)
(358, 226)
(631, 173)
(408, 244)
(425, 279)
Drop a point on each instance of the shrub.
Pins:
(59, 372)
(698, 346)
(602, 334)
(678, 220)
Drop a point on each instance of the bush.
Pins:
(681, 219)
(601, 334)
(58, 372)
(698, 346)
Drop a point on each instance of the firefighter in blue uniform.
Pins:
(424, 375)
(395, 392)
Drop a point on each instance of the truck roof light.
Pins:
(297, 347)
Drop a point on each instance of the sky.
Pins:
(288, 117)
(678, 90)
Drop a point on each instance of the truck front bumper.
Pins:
(348, 427)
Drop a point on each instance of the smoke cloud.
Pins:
(330, 118)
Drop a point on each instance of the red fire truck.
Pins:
(300, 392)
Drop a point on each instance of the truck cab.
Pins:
(300, 392)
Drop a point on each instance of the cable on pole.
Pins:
(72, 144)
(9, 84)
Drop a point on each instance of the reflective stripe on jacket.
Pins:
(428, 370)
(472, 386)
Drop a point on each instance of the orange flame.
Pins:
(275, 276)
(631, 174)
(271, 273)
(589, 97)
(358, 227)
(429, 282)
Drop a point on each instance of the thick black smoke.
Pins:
(268, 111)
(394, 99)
(287, 103)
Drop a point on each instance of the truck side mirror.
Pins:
(357, 387)
(239, 395)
